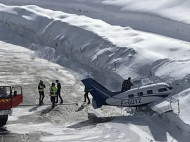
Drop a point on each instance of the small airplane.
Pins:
(136, 97)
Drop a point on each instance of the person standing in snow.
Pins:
(58, 92)
(41, 87)
(53, 94)
(126, 85)
(86, 95)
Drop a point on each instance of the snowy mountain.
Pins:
(109, 40)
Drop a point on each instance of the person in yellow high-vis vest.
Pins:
(53, 94)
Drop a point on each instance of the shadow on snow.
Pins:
(158, 133)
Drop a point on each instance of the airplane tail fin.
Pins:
(98, 92)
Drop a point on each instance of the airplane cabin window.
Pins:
(149, 92)
(162, 89)
(140, 94)
(131, 96)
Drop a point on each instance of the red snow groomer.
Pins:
(10, 97)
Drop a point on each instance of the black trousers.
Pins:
(41, 97)
(59, 96)
(86, 97)
(53, 101)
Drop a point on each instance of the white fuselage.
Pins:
(140, 96)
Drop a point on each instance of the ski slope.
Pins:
(84, 42)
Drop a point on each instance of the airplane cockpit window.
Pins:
(169, 87)
(149, 92)
(140, 94)
(131, 96)
(162, 90)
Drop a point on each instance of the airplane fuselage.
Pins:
(132, 98)
(140, 96)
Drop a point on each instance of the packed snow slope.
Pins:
(144, 15)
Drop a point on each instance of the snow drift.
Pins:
(110, 50)
(144, 15)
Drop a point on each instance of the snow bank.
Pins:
(113, 51)
(179, 104)
(175, 110)
(149, 16)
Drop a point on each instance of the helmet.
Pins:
(53, 84)
(57, 80)
(129, 78)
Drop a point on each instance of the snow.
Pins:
(149, 16)
(39, 42)
(128, 48)
(162, 8)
